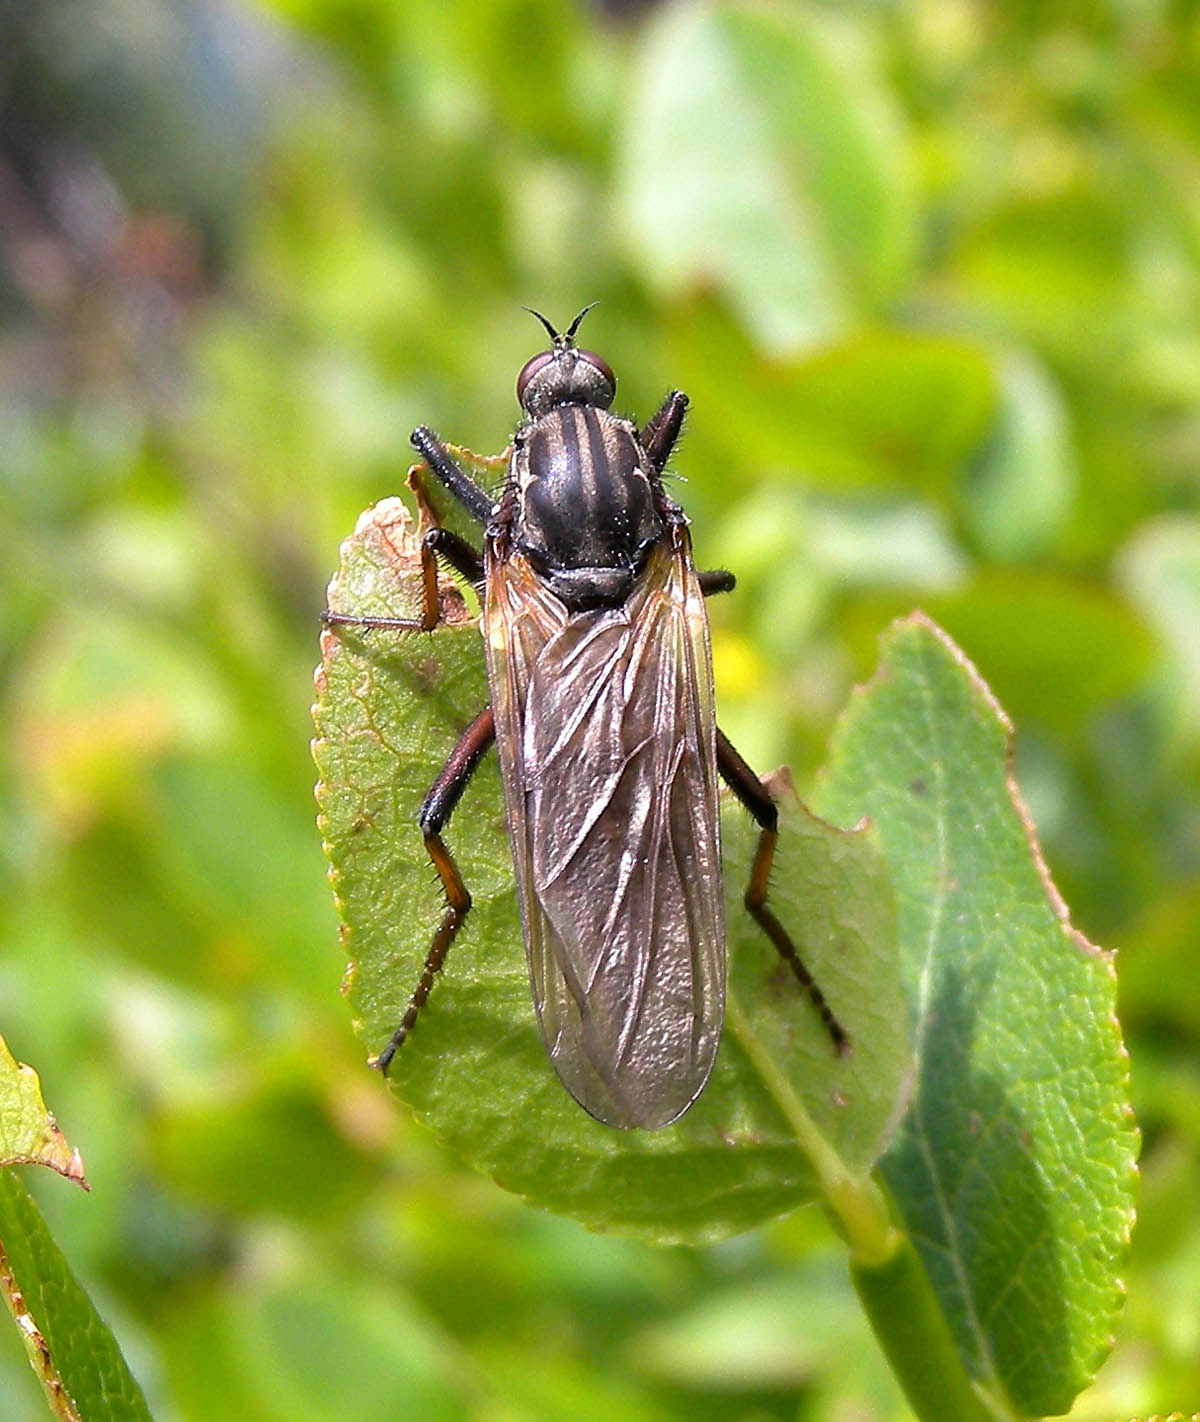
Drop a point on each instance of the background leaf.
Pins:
(1025, 478)
(69, 1344)
(388, 709)
(813, 215)
(1161, 569)
(877, 409)
(1014, 1169)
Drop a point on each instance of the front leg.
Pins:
(468, 493)
(662, 429)
(457, 552)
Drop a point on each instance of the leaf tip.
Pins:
(30, 1132)
(74, 1170)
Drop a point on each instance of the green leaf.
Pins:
(1014, 1170)
(881, 408)
(1160, 568)
(1023, 488)
(317, 1340)
(760, 154)
(1055, 650)
(28, 1134)
(389, 708)
(70, 1348)
(69, 1345)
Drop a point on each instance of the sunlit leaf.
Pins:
(1014, 1169)
(77, 1359)
(760, 154)
(389, 708)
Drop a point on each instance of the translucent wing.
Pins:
(606, 736)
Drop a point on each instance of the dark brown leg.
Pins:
(753, 794)
(458, 553)
(662, 429)
(468, 493)
(716, 581)
(434, 814)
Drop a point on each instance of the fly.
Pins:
(602, 714)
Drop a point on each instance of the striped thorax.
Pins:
(585, 514)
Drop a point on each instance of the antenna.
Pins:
(568, 336)
(574, 326)
(554, 336)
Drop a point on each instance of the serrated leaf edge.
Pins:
(36, 1347)
(1078, 941)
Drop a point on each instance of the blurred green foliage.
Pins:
(930, 270)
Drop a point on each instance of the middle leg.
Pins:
(435, 812)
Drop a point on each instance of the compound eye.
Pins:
(600, 364)
(532, 367)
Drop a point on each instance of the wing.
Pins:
(606, 735)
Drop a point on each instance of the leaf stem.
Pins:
(859, 1208)
(886, 1270)
(912, 1331)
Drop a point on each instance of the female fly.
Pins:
(602, 713)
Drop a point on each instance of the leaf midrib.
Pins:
(924, 1019)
